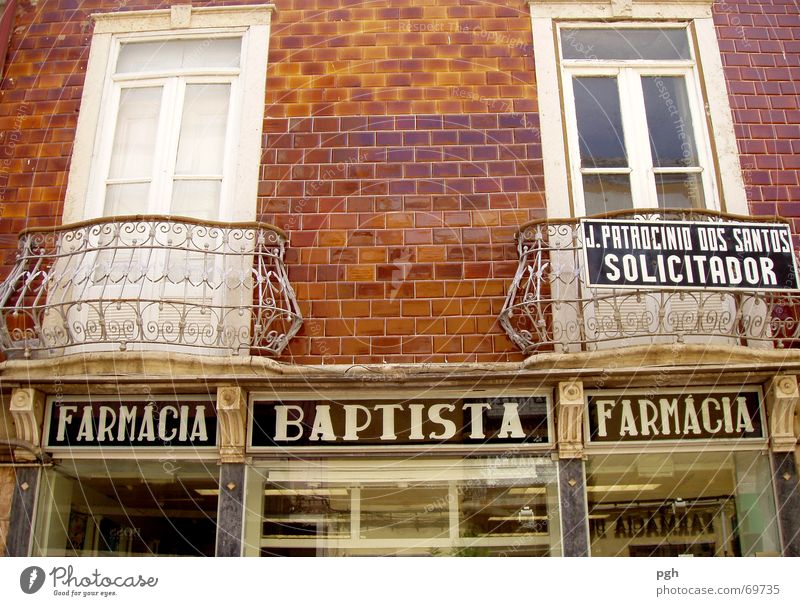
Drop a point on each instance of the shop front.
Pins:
(558, 470)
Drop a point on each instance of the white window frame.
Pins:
(725, 187)
(634, 119)
(85, 195)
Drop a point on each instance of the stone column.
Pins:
(232, 417)
(571, 474)
(20, 527)
(783, 395)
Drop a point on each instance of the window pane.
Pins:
(701, 504)
(669, 121)
(126, 199)
(602, 142)
(197, 199)
(115, 508)
(202, 139)
(676, 190)
(179, 54)
(135, 133)
(592, 44)
(606, 193)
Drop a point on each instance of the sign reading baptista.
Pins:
(696, 413)
(124, 421)
(506, 420)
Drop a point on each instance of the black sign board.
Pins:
(676, 415)
(687, 254)
(113, 422)
(396, 422)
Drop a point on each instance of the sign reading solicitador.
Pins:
(507, 420)
(697, 413)
(686, 254)
(127, 421)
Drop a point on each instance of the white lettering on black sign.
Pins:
(695, 415)
(682, 254)
(391, 422)
(157, 423)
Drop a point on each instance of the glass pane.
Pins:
(135, 133)
(126, 199)
(669, 121)
(602, 142)
(392, 507)
(606, 193)
(593, 44)
(179, 54)
(296, 510)
(196, 199)
(679, 190)
(115, 508)
(700, 504)
(394, 512)
(202, 139)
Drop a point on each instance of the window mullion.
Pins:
(169, 143)
(637, 138)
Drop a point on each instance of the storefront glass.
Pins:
(681, 504)
(455, 507)
(127, 508)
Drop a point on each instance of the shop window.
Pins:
(682, 504)
(122, 508)
(476, 507)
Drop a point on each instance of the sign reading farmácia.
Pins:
(686, 254)
(689, 414)
(183, 422)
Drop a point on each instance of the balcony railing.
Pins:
(148, 283)
(550, 308)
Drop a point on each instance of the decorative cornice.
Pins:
(182, 16)
(621, 9)
(782, 395)
(569, 408)
(27, 408)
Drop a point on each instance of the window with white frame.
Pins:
(636, 132)
(171, 114)
(166, 142)
(633, 107)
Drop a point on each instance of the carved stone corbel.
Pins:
(782, 395)
(232, 419)
(569, 407)
(27, 409)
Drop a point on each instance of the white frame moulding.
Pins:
(251, 22)
(548, 15)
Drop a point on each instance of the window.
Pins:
(171, 114)
(641, 117)
(636, 136)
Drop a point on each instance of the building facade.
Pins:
(315, 278)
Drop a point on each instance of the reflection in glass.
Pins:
(622, 43)
(391, 508)
(179, 54)
(701, 504)
(679, 190)
(606, 193)
(602, 142)
(669, 121)
(103, 508)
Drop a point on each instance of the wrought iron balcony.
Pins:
(549, 306)
(148, 283)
